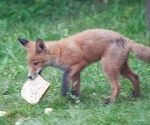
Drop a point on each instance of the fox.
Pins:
(75, 53)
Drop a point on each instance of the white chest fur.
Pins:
(57, 64)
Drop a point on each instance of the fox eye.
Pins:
(36, 63)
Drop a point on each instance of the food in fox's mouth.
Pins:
(34, 90)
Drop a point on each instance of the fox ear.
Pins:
(23, 41)
(40, 46)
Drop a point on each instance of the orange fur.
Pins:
(74, 53)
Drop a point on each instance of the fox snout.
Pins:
(32, 76)
(29, 77)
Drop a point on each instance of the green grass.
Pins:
(57, 20)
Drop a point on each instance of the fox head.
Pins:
(36, 56)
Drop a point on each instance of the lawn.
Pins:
(54, 20)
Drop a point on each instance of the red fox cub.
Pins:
(76, 52)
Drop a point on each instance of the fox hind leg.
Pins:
(112, 72)
(133, 77)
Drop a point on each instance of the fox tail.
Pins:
(142, 52)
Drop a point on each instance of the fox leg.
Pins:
(64, 88)
(133, 77)
(72, 73)
(112, 72)
(75, 80)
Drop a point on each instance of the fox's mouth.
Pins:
(40, 72)
(35, 74)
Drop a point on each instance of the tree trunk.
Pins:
(148, 15)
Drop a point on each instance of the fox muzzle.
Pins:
(32, 76)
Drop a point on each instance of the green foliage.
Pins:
(54, 20)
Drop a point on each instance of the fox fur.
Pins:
(76, 52)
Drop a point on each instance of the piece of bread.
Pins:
(34, 90)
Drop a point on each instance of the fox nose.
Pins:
(30, 77)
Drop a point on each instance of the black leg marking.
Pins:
(64, 89)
